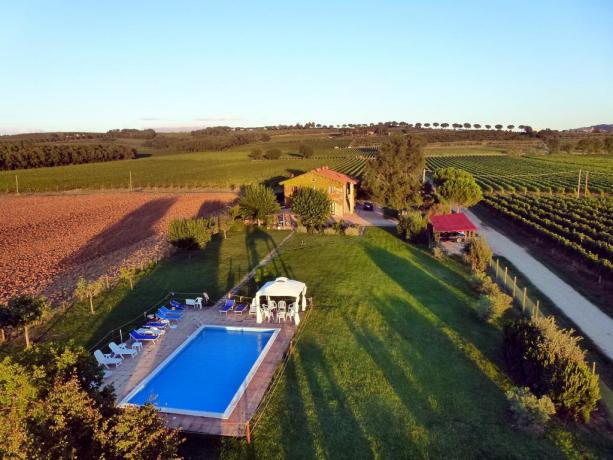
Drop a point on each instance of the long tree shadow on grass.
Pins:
(445, 292)
(255, 237)
(338, 432)
(459, 356)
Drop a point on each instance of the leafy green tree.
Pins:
(306, 150)
(478, 253)
(23, 311)
(258, 202)
(498, 127)
(51, 409)
(457, 187)
(87, 290)
(467, 125)
(553, 144)
(394, 178)
(477, 126)
(488, 126)
(312, 206)
(191, 233)
(444, 125)
(413, 227)
(272, 154)
(510, 127)
(256, 154)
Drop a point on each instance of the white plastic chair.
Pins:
(281, 305)
(122, 350)
(268, 314)
(281, 315)
(106, 359)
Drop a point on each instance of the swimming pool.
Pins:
(207, 374)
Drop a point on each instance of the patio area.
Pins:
(133, 370)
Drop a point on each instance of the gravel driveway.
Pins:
(593, 323)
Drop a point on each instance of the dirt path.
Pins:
(593, 323)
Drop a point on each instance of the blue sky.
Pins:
(96, 65)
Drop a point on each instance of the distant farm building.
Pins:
(340, 188)
(455, 227)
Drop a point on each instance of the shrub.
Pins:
(330, 231)
(272, 154)
(301, 229)
(492, 306)
(306, 150)
(550, 362)
(478, 253)
(437, 253)
(190, 233)
(529, 412)
(256, 154)
(312, 206)
(413, 226)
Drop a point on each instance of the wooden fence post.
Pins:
(523, 302)
(16, 185)
(248, 432)
(497, 263)
(538, 307)
(514, 285)
(506, 269)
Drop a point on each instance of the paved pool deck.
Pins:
(132, 370)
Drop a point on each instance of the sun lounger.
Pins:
(176, 304)
(157, 324)
(150, 330)
(228, 306)
(171, 313)
(106, 359)
(240, 308)
(135, 335)
(122, 350)
(165, 317)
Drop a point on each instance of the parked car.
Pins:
(458, 237)
(368, 206)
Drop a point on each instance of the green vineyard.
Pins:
(582, 227)
(555, 174)
(354, 167)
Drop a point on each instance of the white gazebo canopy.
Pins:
(282, 287)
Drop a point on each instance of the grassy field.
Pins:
(393, 363)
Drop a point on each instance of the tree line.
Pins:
(26, 156)
(131, 133)
(202, 142)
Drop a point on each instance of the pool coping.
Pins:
(237, 395)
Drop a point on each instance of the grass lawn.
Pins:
(216, 269)
(392, 363)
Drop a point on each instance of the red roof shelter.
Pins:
(445, 223)
(448, 227)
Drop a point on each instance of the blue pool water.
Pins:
(206, 374)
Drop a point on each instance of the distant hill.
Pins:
(604, 128)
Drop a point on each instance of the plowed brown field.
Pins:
(47, 242)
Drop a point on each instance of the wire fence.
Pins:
(519, 293)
